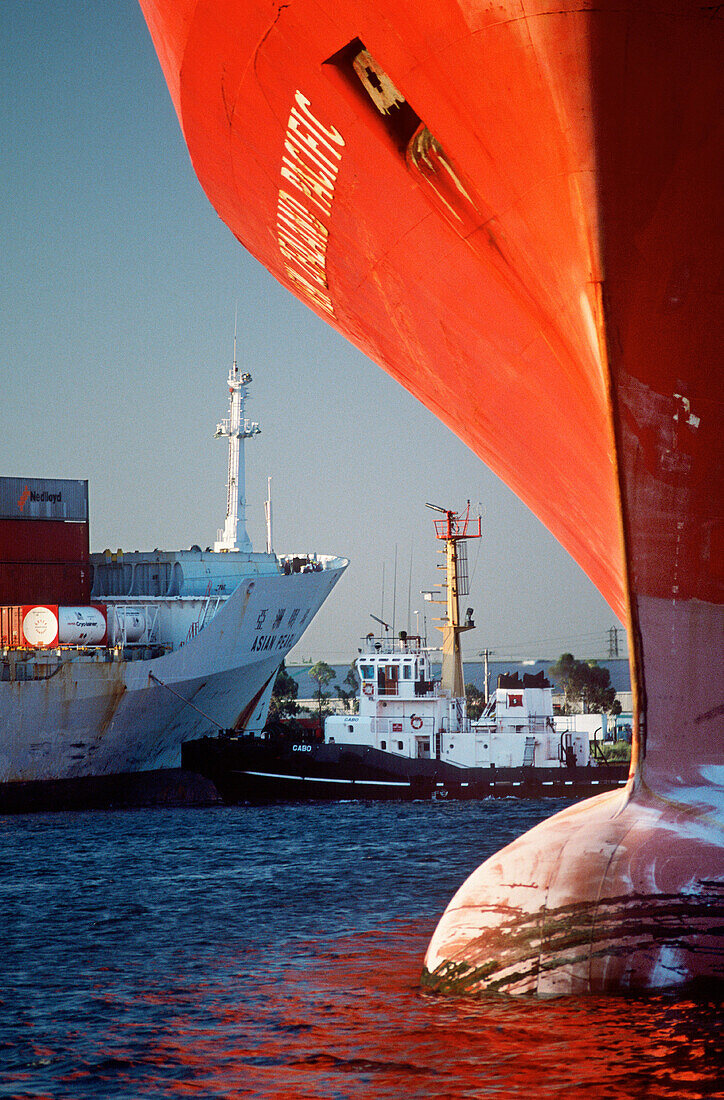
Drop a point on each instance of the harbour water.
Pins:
(276, 952)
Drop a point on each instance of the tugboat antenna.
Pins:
(236, 311)
(454, 530)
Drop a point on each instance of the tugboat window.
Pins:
(383, 744)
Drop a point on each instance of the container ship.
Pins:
(516, 210)
(109, 662)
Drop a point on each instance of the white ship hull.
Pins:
(113, 716)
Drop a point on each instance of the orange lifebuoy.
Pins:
(368, 689)
(416, 722)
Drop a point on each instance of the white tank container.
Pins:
(129, 625)
(81, 626)
(40, 626)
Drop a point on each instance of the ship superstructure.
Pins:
(405, 711)
(402, 709)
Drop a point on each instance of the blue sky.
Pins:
(119, 284)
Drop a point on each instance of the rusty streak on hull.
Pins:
(533, 248)
(586, 901)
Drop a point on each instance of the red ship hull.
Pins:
(517, 213)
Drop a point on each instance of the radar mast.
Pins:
(238, 429)
(454, 529)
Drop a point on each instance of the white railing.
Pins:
(204, 617)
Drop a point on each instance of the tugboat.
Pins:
(411, 737)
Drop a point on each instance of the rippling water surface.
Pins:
(276, 951)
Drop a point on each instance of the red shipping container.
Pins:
(51, 582)
(44, 560)
(43, 540)
(11, 631)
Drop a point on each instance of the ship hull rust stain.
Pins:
(116, 691)
(588, 902)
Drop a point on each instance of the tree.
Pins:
(322, 674)
(475, 701)
(349, 694)
(586, 685)
(283, 702)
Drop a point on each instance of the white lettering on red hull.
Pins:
(309, 168)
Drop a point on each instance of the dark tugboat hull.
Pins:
(251, 770)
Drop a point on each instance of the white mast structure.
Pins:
(237, 428)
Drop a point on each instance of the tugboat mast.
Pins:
(453, 530)
(234, 535)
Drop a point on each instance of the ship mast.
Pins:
(453, 530)
(238, 429)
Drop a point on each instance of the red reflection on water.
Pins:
(347, 1018)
